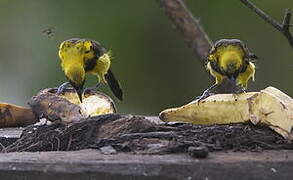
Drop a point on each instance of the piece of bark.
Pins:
(128, 124)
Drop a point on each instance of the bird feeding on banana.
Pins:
(82, 56)
(230, 60)
(231, 64)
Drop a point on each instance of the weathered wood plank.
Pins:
(91, 164)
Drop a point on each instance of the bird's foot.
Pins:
(238, 91)
(208, 92)
(62, 87)
(98, 85)
(204, 95)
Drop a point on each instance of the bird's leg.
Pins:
(208, 92)
(238, 91)
(98, 85)
(93, 88)
(62, 87)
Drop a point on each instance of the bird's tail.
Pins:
(114, 85)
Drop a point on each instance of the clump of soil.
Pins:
(137, 134)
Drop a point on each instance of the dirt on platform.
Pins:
(136, 134)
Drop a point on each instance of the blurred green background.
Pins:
(152, 62)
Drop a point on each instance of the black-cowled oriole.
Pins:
(230, 62)
(82, 56)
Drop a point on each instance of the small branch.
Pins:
(262, 14)
(192, 31)
(284, 28)
(161, 135)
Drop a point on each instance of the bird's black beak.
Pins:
(79, 92)
(232, 79)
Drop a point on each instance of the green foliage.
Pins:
(156, 68)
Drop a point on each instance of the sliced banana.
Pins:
(269, 106)
(93, 103)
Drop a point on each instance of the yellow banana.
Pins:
(269, 106)
(93, 104)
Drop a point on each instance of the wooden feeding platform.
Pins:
(91, 164)
(137, 147)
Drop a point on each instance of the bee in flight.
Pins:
(49, 32)
(82, 56)
(229, 60)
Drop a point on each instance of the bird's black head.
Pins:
(78, 88)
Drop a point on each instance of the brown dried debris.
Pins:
(137, 134)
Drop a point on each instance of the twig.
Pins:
(161, 135)
(3, 149)
(284, 28)
(69, 143)
(192, 31)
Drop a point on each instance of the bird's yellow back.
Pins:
(228, 56)
(81, 56)
(72, 63)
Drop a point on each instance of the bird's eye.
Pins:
(87, 51)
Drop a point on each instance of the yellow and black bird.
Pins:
(82, 56)
(230, 60)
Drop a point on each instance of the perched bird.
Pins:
(230, 58)
(230, 63)
(82, 56)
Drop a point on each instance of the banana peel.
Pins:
(66, 107)
(270, 106)
(15, 116)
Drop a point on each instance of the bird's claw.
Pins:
(203, 96)
(98, 85)
(240, 90)
(208, 92)
(216, 89)
(62, 87)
